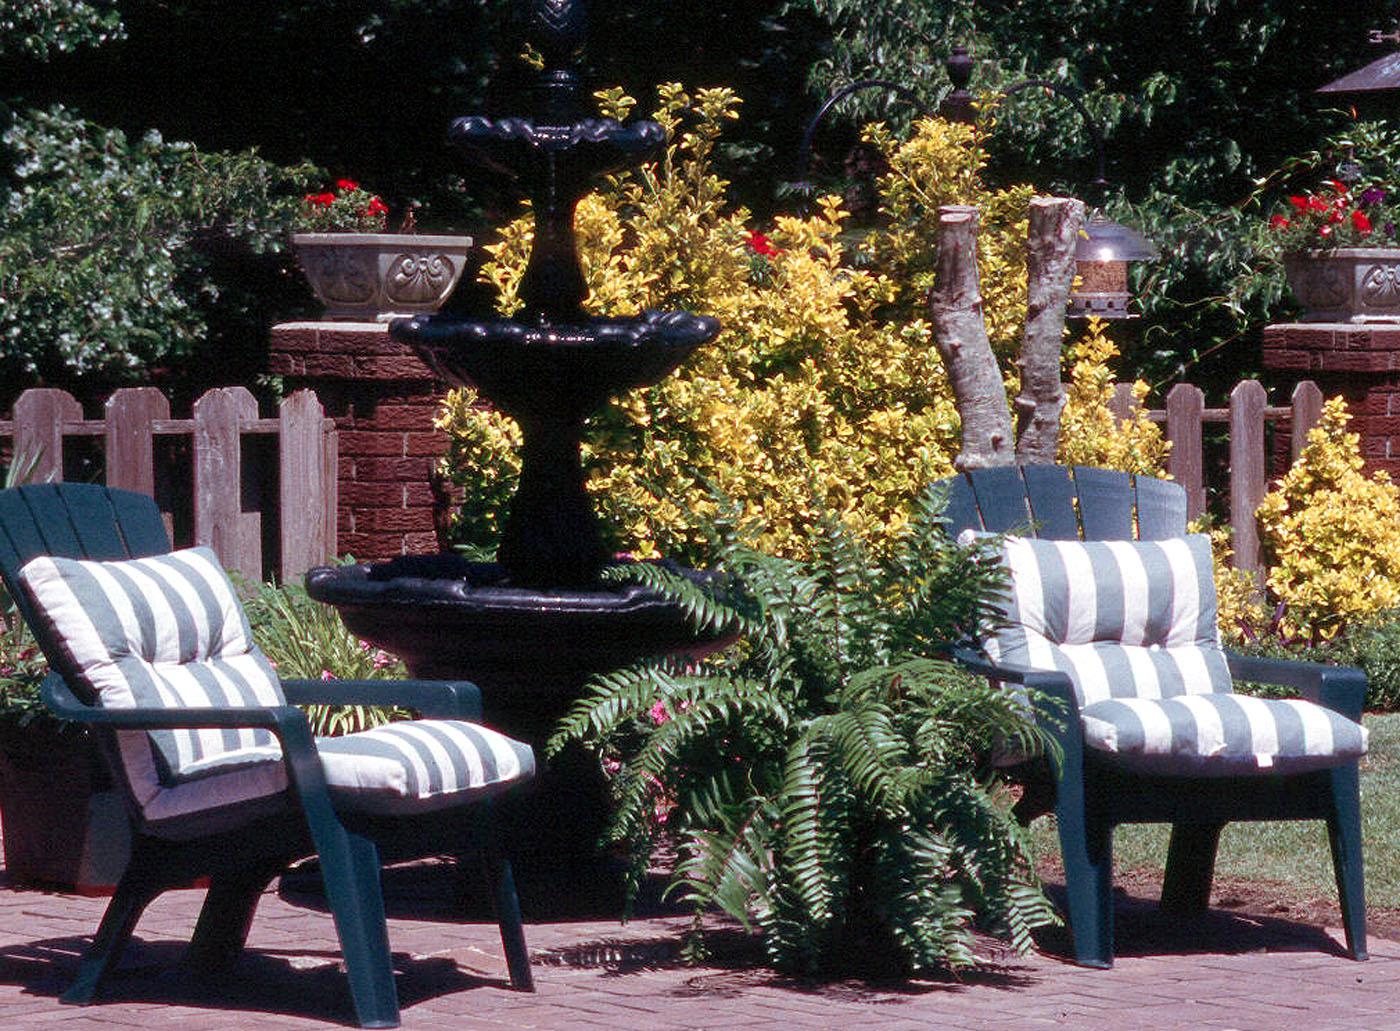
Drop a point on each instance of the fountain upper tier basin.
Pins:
(589, 146)
(571, 369)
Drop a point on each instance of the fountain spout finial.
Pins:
(558, 29)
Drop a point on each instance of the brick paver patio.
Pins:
(1222, 971)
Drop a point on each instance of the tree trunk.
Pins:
(955, 303)
(1053, 237)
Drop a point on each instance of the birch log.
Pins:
(1050, 245)
(955, 304)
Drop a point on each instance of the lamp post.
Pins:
(1106, 247)
(800, 183)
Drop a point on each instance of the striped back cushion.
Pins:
(1125, 619)
(166, 631)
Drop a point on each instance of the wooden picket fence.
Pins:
(212, 474)
(1247, 416)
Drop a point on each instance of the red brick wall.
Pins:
(1359, 362)
(383, 400)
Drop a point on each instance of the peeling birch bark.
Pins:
(1051, 242)
(960, 332)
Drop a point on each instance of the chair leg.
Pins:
(1086, 846)
(129, 901)
(1344, 833)
(507, 906)
(350, 870)
(227, 916)
(1190, 867)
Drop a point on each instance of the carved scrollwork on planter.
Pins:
(1380, 285)
(418, 277)
(346, 276)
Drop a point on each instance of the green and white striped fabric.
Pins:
(420, 765)
(1221, 734)
(1133, 624)
(1125, 619)
(161, 632)
(169, 632)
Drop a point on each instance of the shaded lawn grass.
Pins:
(1293, 853)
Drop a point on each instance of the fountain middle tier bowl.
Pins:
(565, 368)
(453, 619)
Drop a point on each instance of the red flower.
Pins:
(1278, 222)
(760, 244)
(1300, 203)
(1317, 204)
(376, 207)
(1362, 223)
(346, 184)
(1325, 231)
(324, 200)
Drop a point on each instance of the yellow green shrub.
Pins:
(1089, 432)
(822, 392)
(1331, 534)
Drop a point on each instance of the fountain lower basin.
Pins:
(531, 650)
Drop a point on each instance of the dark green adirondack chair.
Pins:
(220, 772)
(1111, 620)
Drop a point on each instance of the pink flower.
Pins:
(658, 713)
(382, 658)
(327, 675)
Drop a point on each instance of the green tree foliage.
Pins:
(117, 255)
(124, 256)
(40, 28)
(825, 777)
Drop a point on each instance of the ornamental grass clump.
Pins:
(825, 778)
(305, 639)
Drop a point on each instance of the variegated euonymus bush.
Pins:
(825, 777)
(823, 392)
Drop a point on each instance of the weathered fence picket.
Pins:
(1246, 417)
(224, 508)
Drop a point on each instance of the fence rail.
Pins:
(1247, 417)
(227, 479)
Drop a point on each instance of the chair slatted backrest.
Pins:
(1057, 502)
(74, 520)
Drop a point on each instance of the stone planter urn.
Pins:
(361, 276)
(1348, 284)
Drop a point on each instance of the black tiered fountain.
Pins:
(531, 629)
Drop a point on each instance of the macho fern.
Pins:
(825, 777)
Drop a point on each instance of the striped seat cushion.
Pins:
(1220, 734)
(161, 632)
(1124, 619)
(168, 631)
(421, 765)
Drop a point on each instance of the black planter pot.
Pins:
(62, 821)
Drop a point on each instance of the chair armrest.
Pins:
(62, 702)
(1050, 694)
(1049, 682)
(440, 699)
(1339, 688)
(286, 722)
